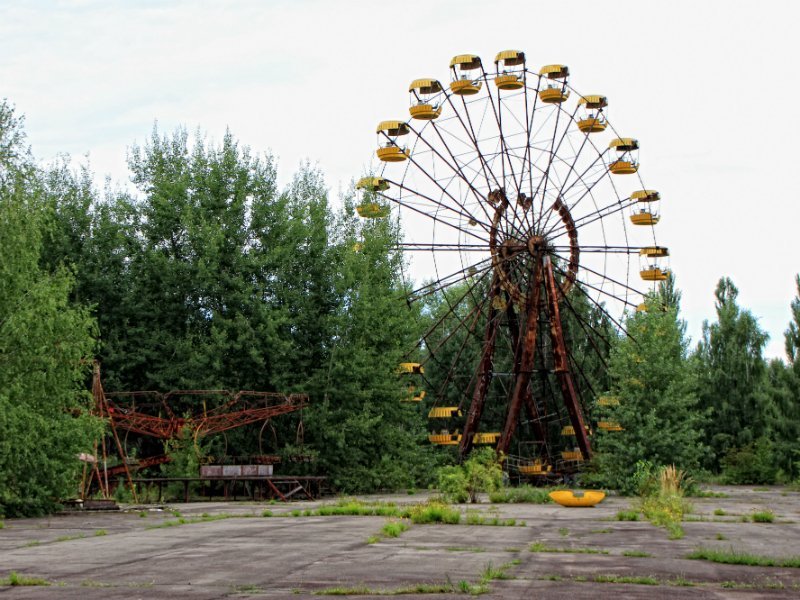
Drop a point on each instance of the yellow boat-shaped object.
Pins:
(570, 498)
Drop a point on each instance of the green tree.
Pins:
(732, 376)
(655, 383)
(46, 345)
(368, 439)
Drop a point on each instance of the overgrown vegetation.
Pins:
(481, 472)
(732, 557)
(523, 494)
(15, 579)
(208, 274)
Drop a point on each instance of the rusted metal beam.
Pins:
(526, 359)
(561, 363)
(530, 405)
(484, 374)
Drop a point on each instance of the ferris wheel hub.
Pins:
(537, 244)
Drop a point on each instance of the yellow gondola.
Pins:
(654, 251)
(654, 273)
(626, 162)
(556, 90)
(369, 207)
(641, 307)
(608, 401)
(411, 367)
(645, 215)
(414, 395)
(388, 148)
(445, 438)
(444, 412)
(510, 67)
(572, 455)
(537, 467)
(570, 430)
(609, 426)
(591, 119)
(465, 71)
(424, 102)
(373, 210)
(486, 438)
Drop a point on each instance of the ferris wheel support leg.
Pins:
(522, 378)
(530, 405)
(563, 374)
(484, 375)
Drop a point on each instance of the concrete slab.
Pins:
(247, 555)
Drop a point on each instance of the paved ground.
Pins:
(125, 555)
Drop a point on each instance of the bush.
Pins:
(751, 464)
(481, 472)
(434, 512)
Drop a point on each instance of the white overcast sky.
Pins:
(710, 89)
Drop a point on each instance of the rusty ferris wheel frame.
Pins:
(527, 183)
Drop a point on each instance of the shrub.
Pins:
(481, 472)
(763, 516)
(751, 464)
(394, 529)
(434, 512)
(627, 515)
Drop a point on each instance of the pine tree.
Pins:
(655, 383)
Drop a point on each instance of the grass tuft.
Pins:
(523, 494)
(627, 515)
(542, 547)
(764, 516)
(625, 579)
(731, 557)
(394, 529)
(15, 579)
(636, 554)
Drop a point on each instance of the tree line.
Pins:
(207, 274)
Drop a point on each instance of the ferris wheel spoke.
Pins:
(587, 192)
(553, 150)
(600, 290)
(443, 283)
(597, 304)
(587, 328)
(424, 247)
(602, 249)
(580, 180)
(433, 217)
(594, 216)
(564, 190)
(453, 166)
(506, 150)
(614, 281)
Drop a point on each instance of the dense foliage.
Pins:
(46, 345)
(656, 385)
(205, 273)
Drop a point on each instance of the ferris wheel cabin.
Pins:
(644, 211)
(627, 161)
(555, 79)
(389, 150)
(465, 73)
(590, 113)
(425, 99)
(654, 270)
(510, 70)
(369, 207)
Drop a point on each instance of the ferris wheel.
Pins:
(519, 200)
